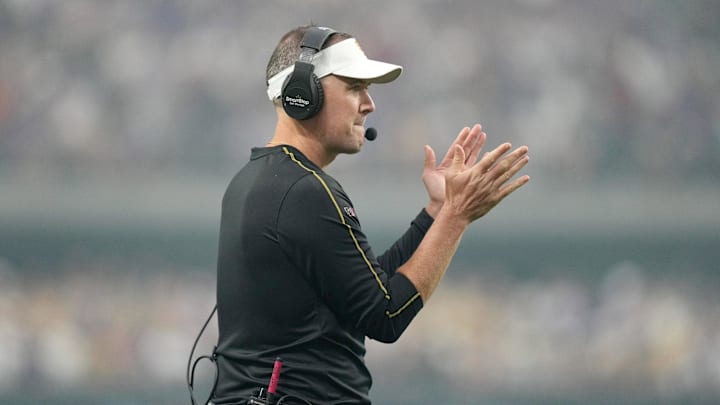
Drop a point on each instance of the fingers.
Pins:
(463, 136)
(473, 191)
(508, 189)
(473, 143)
(458, 159)
(471, 140)
(489, 158)
(508, 166)
(459, 140)
(499, 168)
(429, 158)
(474, 150)
(515, 161)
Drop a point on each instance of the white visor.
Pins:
(346, 59)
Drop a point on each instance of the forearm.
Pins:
(428, 264)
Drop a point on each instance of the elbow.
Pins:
(387, 321)
(385, 337)
(387, 329)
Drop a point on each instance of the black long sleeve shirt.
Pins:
(298, 279)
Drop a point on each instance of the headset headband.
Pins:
(312, 42)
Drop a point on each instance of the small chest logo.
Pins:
(350, 211)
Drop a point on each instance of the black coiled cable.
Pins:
(191, 365)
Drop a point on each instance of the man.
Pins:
(296, 275)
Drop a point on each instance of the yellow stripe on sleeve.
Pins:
(350, 231)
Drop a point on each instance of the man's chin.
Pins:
(353, 149)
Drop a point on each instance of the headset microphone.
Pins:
(370, 134)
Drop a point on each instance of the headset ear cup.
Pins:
(319, 96)
(302, 94)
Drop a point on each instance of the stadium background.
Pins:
(122, 121)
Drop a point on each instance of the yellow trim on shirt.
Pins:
(350, 231)
(402, 308)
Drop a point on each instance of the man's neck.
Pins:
(302, 139)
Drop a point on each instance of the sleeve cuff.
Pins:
(423, 221)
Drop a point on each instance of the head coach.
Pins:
(296, 275)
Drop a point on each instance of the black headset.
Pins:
(302, 93)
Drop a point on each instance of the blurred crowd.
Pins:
(599, 90)
(100, 322)
(123, 326)
(630, 335)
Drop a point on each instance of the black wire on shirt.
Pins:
(213, 359)
(191, 365)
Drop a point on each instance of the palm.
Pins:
(434, 179)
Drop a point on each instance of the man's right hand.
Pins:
(472, 191)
